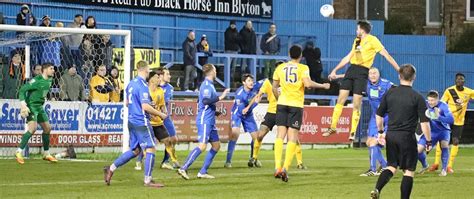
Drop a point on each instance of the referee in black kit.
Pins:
(405, 107)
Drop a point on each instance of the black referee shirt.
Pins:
(404, 107)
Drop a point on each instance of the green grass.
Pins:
(332, 173)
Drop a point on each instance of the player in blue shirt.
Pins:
(376, 88)
(141, 137)
(440, 120)
(243, 96)
(168, 88)
(206, 124)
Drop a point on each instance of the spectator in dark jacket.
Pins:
(189, 59)
(24, 15)
(248, 44)
(312, 56)
(88, 48)
(231, 42)
(105, 52)
(46, 21)
(270, 45)
(13, 76)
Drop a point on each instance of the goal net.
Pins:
(85, 103)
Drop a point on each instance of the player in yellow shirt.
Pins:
(157, 95)
(268, 123)
(457, 97)
(292, 78)
(361, 57)
(100, 86)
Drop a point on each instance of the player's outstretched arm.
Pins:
(308, 83)
(149, 109)
(341, 64)
(390, 59)
(255, 100)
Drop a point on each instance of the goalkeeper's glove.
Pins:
(24, 110)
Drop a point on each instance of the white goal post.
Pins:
(126, 34)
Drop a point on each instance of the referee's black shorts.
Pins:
(402, 150)
(355, 79)
(456, 131)
(160, 132)
(289, 116)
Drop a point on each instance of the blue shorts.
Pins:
(207, 133)
(248, 122)
(141, 136)
(169, 126)
(435, 138)
(372, 130)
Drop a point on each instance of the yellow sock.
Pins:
(170, 151)
(256, 148)
(438, 154)
(278, 152)
(299, 154)
(290, 153)
(452, 156)
(336, 115)
(355, 120)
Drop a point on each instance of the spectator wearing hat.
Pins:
(231, 42)
(13, 76)
(72, 88)
(25, 17)
(204, 47)
(46, 21)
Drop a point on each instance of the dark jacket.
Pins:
(231, 39)
(313, 60)
(272, 47)
(200, 48)
(189, 52)
(248, 44)
(21, 19)
(105, 52)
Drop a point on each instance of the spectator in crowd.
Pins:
(25, 17)
(88, 49)
(45, 21)
(231, 43)
(117, 94)
(270, 45)
(37, 70)
(204, 47)
(59, 24)
(100, 86)
(13, 76)
(312, 55)
(248, 45)
(71, 45)
(189, 59)
(72, 87)
(105, 52)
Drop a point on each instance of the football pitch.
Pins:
(331, 173)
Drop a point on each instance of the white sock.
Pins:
(19, 150)
(113, 167)
(147, 179)
(46, 153)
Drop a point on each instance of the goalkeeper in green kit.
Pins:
(32, 97)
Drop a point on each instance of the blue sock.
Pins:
(191, 157)
(422, 159)
(140, 156)
(230, 150)
(166, 157)
(444, 157)
(149, 163)
(381, 159)
(251, 149)
(373, 158)
(208, 161)
(124, 158)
